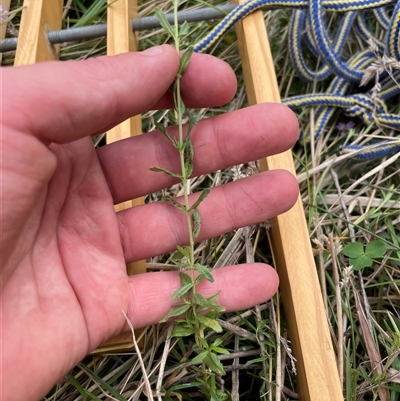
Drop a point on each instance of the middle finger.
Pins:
(219, 142)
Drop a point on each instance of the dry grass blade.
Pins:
(339, 310)
(163, 362)
(149, 392)
(373, 353)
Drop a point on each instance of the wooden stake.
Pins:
(3, 27)
(38, 18)
(318, 378)
(121, 39)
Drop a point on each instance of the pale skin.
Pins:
(64, 249)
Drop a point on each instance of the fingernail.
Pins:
(153, 51)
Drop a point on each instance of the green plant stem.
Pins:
(182, 150)
(199, 332)
(200, 312)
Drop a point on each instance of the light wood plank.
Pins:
(38, 18)
(3, 27)
(121, 39)
(318, 378)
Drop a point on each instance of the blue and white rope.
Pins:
(308, 27)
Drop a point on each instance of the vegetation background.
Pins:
(362, 300)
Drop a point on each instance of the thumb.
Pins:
(64, 101)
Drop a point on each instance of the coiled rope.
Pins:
(308, 34)
(380, 63)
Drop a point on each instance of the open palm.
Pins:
(64, 249)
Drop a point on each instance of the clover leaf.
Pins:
(360, 256)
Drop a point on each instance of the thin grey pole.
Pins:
(138, 24)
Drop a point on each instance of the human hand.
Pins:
(64, 249)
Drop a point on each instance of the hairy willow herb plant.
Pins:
(199, 313)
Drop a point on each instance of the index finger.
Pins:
(64, 101)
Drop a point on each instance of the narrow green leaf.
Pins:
(204, 272)
(206, 304)
(217, 342)
(199, 358)
(177, 259)
(103, 384)
(393, 235)
(185, 60)
(353, 249)
(211, 314)
(180, 292)
(214, 364)
(180, 146)
(199, 299)
(196, 223)
(84, 393)
(220, 350)
(180, 310)
(164, 22)
(179, 100)
(174, 203)
(183, 106)
(194, 118)
(160, 127)
(185, 279)
(182, 331)
(188, 168)
(164, 170)
(188, 156)
(213, 299)
(200, 199)
(93, 12)
(257, 360)
(220, 395)
(171, 115)
(218, 309)
(184, 250)
(211, 323)
(202, 308)
(203, 344)
(218, 363)
(184, 29)
(396, 362)
(375, 249)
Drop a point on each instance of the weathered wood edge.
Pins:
(121, 39)
(318, 378)
(38, 17)
(3, 27)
